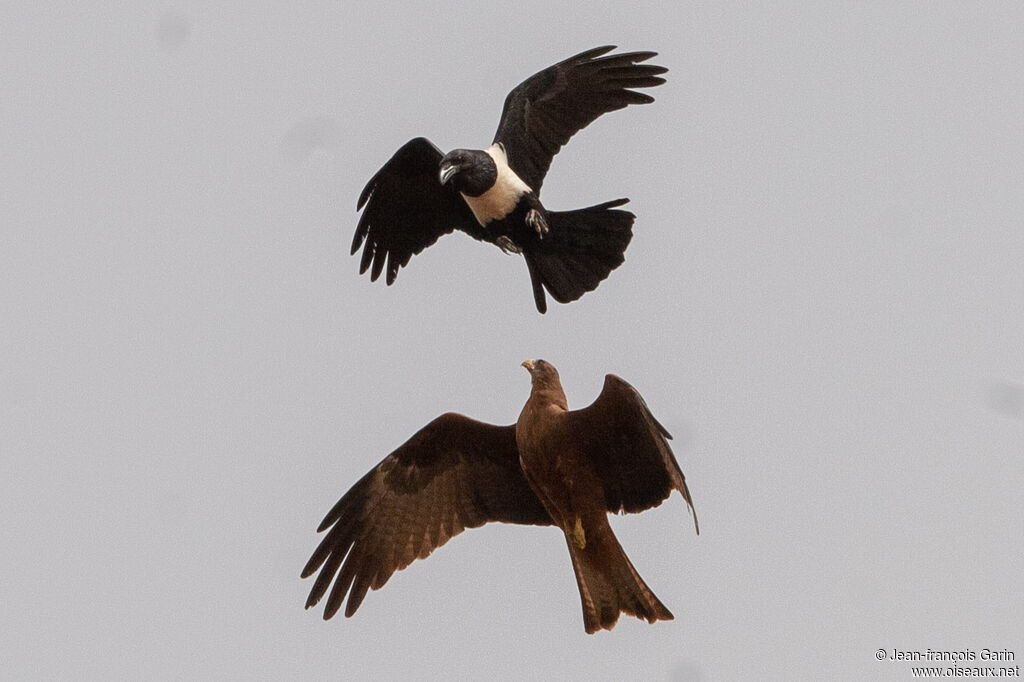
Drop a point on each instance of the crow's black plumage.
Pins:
(494, 195)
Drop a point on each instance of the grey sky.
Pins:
(822, 301)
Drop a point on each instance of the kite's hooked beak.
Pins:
(529, 365)
(447, 171)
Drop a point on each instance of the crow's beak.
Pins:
(447, 171)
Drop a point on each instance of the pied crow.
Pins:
(494, 194)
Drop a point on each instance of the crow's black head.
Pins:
(470, 171)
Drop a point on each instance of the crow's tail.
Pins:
(579, 250)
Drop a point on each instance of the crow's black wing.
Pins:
(549, 107)
(406, 210)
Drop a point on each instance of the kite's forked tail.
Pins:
(608, 583)
(579, 250)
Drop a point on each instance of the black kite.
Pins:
(553, 467)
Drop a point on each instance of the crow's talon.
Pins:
(535, 220)
(507, 245)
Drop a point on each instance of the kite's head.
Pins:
(540, 369)
(544, 383)
(470, 171)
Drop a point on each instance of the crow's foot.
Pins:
(507, 245)
(535, 220)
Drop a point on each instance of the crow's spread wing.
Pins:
(455, 473)
(406, 210)
(549, 107)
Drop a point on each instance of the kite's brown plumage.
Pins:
(611, 456)
(552, 467)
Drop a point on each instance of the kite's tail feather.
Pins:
(608, 583)
(580, 249)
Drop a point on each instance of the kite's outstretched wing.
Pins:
(455, 473)
(629, 450)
